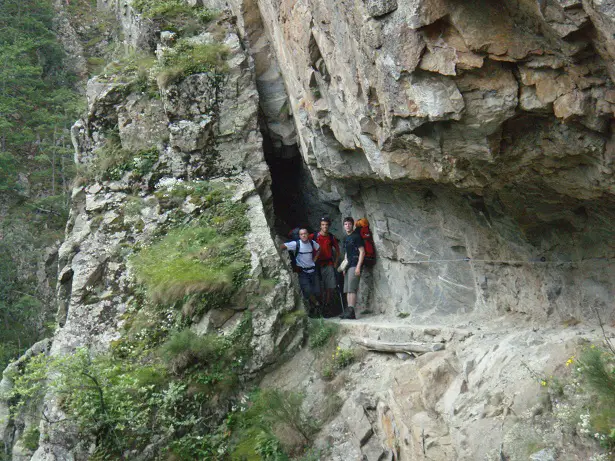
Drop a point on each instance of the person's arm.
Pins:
(357, 270)
(317, 247)
(292, 246)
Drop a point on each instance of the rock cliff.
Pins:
(477, 130)
(476, 136)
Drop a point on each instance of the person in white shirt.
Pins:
(306, 257)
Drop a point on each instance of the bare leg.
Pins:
(352, 299)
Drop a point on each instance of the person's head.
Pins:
(303, 235)
(348, 224)
(324, 225)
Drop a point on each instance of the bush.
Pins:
(186, 348)
(174, 15)
(133, 69)
(598, 371)
(320, 332)
(271, 426)
(190, 262)
(28, 387)
(111, 161)
(187, 58)
(30, 437)
(340, 359)
(596, 367)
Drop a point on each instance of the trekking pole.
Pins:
(340, 292)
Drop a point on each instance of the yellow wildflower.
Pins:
(543, 383)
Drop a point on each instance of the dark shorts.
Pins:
(308, 281)
(327, 274)
(351, 281)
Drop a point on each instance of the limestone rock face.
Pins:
(498, 113)
(200, 129)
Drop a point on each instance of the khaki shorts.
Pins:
(327, 274)
(351, 281)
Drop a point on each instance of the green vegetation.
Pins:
(135, 69)
(340, 359)
(38, 104)
(175, 15)
(111, 161)
(320, 332)
(272, 426)
(30, 438)
(122, 401)
(581, 397)
(596, 368)
(205, 259)
(99, 32)
(187, 58)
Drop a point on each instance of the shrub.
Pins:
(187, 58)
(271, 425)
(28, 384)
(340, 359)
(269, 447)
(186, 348)
(596, 367)
(320, 332)
(30, 438)
(190, 261)
(133, 69)
(111, 161)
(174, 15)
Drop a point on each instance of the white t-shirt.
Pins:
(304, 257)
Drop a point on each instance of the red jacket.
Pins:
(325, 258)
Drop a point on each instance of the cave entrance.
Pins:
(296, 199)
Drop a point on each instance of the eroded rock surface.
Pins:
(499, 113)
(480, 399)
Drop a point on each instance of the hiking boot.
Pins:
(315, 311)
(348, 314)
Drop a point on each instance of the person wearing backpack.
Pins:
(355, 254)
(367, 278)
(327, 260)
(306, 253)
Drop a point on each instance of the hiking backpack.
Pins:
(294, 236)
(368, 241)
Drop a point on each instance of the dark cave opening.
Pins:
(296, 201)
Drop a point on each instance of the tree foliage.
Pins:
(38, 103)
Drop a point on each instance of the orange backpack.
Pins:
(368, 241)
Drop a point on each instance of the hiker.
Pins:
(367, 277)
(355, 253)
(327, 261)
(306, 252)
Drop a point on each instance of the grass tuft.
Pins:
(175, 15)
(187, 58)
(186, 348)
(190, 261)
(320, 333)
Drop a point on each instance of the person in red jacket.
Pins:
(328, 259)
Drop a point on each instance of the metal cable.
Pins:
(542, 260)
